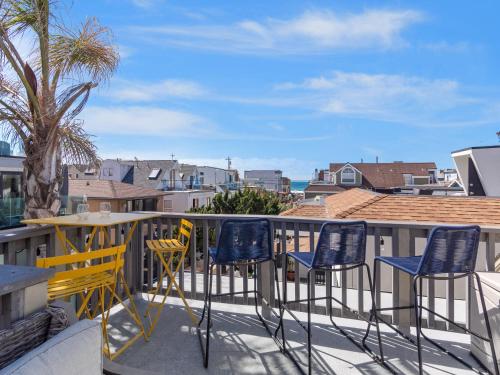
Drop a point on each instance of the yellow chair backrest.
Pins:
(111, 260)
(185, 229)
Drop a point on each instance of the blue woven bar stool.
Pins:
(339, 244)
(241, 242)
(450, 254)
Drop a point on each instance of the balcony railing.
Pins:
(451, 298)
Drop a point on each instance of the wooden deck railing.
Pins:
(23, 245)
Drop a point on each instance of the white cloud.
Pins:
(396, 98)
(312, 31)
(144, 121)
(125, 90)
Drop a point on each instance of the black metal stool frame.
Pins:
(417, 306)
(208, 304)
(284, 306)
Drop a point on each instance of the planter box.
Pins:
(490, 282)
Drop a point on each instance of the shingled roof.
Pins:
(106, 189)
(386, 175)
(367, 205)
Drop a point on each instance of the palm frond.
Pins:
(76, 144)
(19, 15)
(74, 97)
(87, 53)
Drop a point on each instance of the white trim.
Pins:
(353, 174)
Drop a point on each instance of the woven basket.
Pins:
(23, 336)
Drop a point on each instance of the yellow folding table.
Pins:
(99, 224)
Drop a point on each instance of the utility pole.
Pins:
(172, 156)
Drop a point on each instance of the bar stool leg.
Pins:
(416, 308)
(309, 354)
(373, 312)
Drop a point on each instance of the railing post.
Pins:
(401, 282)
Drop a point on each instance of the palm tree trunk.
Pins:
(42, 182)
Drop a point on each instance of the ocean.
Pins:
(298, 185)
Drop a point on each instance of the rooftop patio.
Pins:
(241, 345)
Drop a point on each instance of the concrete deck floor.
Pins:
(240, 345)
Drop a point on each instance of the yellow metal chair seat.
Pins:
(166, 245)
(71, 286)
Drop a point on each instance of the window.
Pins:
(110, 172)
(420, 180)
(155, 172)
(196, 203)
(348, 176)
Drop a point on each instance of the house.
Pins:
(82, 172)
(152, 174)
(123, 197)
(189, 176)
(447, 175)
(270, 180)
(382, 177)
(479, 170)
(185, 200)
(181, 181)
(286, 184)
(218, 178)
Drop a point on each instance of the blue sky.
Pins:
(295, 85)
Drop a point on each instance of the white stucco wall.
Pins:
(182, 201)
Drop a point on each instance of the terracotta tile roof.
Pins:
(339, 205)
(110, 190)
(439, 209)
(367, 205)
(308, 210)
(387, 175)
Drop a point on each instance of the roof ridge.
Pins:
(359, 206)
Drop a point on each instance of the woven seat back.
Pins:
(243, 239)
(450, 250)
(340, 243)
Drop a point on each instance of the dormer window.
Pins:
(348, 176)
(155, 172)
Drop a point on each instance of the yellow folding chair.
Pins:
(166, 250)
(84, 277)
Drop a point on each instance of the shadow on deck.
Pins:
(241, 345)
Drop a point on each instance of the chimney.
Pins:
(376, 159)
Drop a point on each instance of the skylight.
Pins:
(155, 172)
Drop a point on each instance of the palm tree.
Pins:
(40, 99)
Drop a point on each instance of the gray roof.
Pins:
(143, 168)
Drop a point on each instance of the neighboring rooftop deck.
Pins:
(241, 346)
